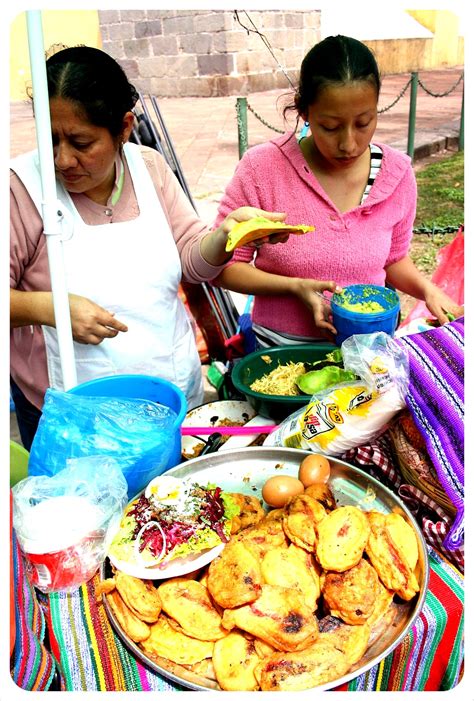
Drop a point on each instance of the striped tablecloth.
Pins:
(91, 657)
(31, 665)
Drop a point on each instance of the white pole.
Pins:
(51, 210)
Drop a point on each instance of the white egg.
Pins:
(166, 490)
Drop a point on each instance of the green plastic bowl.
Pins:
(252, 367)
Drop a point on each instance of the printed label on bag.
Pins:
(43, 575)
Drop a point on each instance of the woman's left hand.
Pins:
(441, 306)
(213, 244)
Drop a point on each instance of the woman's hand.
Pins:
(213, 244)
(309, 291)
(440, 305)
(92, 323)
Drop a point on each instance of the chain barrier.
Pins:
(434, 230)
(441, 94)
(262, 120)
(380, 111)
(397, 99)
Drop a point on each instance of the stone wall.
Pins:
(207, 53)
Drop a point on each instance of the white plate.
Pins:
(176, 568)
(170, 490)
(212, 414)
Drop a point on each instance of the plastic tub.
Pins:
(148, 387)
(350, 321)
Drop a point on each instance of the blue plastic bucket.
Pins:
(149, 388)
(349, 321)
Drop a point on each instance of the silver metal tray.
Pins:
(246, 470)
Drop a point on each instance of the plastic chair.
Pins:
(19, 457)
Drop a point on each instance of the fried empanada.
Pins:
(251, 512)
(351, 640)
(166, 642)
(265, 536)
(383, 601)
(136, 629)
(350, 595)
(279, 616)
(403, 534)
(105, 586)
(318, 664)
(342, 537)
(189, 603)
(234, 577)
(323, 494)
(234, 659)
(294, 568)
(204, 668)
(262, 648)
(387, 555)
(140, 595)
(275, 515)
(302, 514)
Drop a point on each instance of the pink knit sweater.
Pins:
(349, 248)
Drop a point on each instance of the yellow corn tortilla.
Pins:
(257, 228)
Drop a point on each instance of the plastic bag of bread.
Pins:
(351, 413)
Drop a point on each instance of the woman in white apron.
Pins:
(130, 234)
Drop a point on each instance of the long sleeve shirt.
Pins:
(29, 269)
(351, 247)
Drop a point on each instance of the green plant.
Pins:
(441, 193)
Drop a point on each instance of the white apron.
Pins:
(133, 269)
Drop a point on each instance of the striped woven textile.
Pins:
(436, 401)
(32, 666)
(430, 657)
(91, 656)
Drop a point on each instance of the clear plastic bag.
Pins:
(65, 523)
(135, 432)
(351, 413)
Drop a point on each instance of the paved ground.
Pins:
(205, 137)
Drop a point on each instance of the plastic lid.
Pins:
(57, 523)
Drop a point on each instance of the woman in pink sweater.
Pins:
(359, 195)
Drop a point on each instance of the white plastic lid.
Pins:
(57, 523)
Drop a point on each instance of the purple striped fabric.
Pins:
(436, 401)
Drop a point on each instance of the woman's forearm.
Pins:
(245, 278)
(405, 276)
(31, 308)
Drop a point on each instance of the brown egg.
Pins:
(279, 489)
(314, 469)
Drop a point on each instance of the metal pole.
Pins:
(461, 125)
(412, 115)
(242, 125)
(50, 206)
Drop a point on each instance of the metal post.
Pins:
(50, 206)
(412, 115)
(461, 125)
(242, 125)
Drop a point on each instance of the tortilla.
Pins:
(259, 227)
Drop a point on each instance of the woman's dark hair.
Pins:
(95, 82)
(335, 60)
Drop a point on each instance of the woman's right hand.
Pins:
(92, 323)
(308, 291)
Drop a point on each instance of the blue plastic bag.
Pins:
(135, 432)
